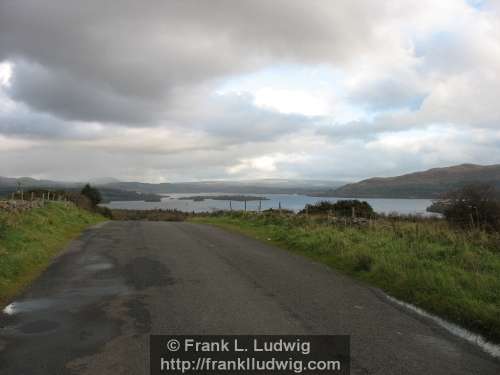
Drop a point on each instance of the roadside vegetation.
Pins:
(29, 239)
(149, 215)
(435, 264)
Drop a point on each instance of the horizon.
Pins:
(94, 180)
(189, 92)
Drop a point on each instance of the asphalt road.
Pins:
(91, 312)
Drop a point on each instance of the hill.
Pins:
(263, 186)
(9, 185)
(113, 190)
(428, 184)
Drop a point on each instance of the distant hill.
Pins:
(264, 186)
(9, 185)
(428, 184)
(113, 189)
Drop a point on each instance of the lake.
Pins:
(293, 202)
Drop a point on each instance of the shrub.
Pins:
(92, 193)
(81, 201)
(363, 263)
(105, 211)
(475, 206)
(341, 208)
(3, 225)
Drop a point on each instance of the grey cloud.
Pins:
(363, 130)
(235, 118)
(389, 93)
(97, 56)
(61, 94)
(29, 125)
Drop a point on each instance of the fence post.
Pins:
(245, 205)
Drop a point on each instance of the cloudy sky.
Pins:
(173, 90)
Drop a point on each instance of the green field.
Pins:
(453, 274)
(30, 240)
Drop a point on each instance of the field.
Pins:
(29, 240)
(453, 274)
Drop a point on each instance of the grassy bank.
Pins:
(455, 275)
(29, 240)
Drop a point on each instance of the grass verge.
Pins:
(455, 275)
(29, 241)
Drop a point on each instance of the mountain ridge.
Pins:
(262, 186)
(431, 183)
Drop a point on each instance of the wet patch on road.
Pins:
(38, 326)
(63, 315)
(144, 273)
(27, 306)
(139, 312)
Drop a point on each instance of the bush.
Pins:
(105, 211)
(81, 201)
(92, 193)
(3, 225)
(363, 263)
(343, 208)
(474, 206)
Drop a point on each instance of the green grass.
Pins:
(30, 240)
(455, 275)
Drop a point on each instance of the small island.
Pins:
(236, 198)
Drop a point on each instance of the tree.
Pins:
(92, 193)
(475, 206)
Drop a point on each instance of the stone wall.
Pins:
(19, 205)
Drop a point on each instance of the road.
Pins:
(92, 310)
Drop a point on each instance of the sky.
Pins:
(185, 90)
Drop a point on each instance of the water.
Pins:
(293, 202)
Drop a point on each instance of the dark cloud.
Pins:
(66, 97)
(119, 62)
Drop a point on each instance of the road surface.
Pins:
(91, 312)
